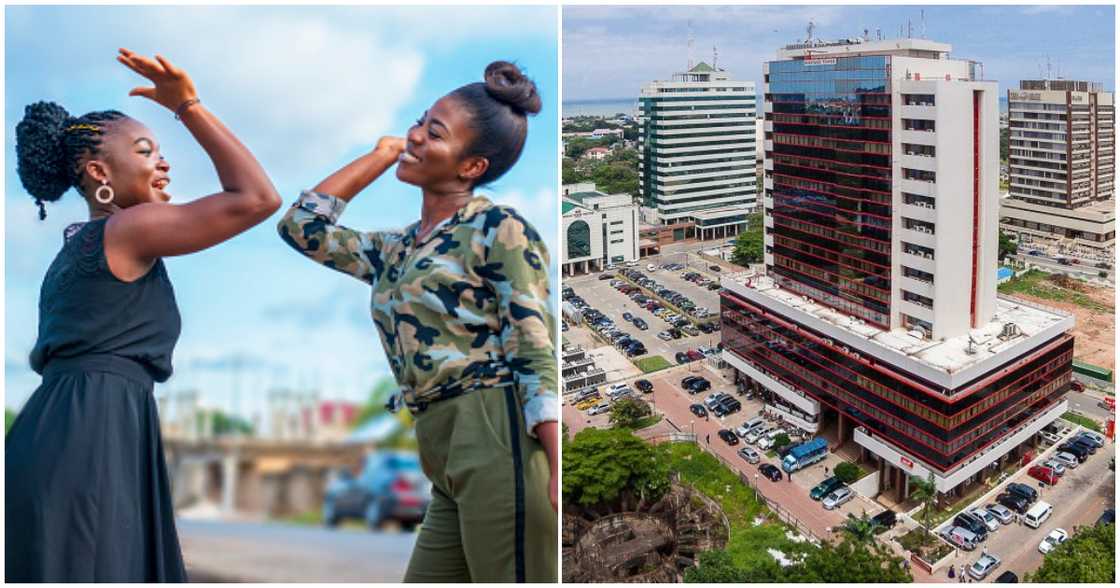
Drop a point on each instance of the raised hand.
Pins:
(172, 86)
(390, 146)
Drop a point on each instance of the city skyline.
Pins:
(651, 42)
(325, 83)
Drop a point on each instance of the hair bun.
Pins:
(41, 160)
(506, 83)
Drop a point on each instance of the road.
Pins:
(221, 551)
(1083, 269)
(1088, 405)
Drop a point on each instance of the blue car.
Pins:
(390, 487)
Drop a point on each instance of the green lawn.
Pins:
(1084, 421)
(652, 363)
(1037, 283)
(748, 541)
(648, 421)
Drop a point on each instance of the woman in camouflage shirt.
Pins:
(461, 301)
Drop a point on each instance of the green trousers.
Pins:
(490, 519)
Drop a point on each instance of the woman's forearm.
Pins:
(238, 170)
(348, 181)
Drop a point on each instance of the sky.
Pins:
(611, 51)
(307, 90)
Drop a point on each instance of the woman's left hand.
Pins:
(549, 434)
(172, 87)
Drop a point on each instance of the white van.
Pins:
(768, 441)
(1038, 514)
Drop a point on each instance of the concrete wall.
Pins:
(867, 486)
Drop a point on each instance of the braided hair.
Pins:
(50, 145)
(499, 107)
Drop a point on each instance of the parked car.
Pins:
(1023, 490)
(972, 523)
(730, 405)
(887, 519)
(838, 497)
(757, 434)
(1076, 386)
(391, 486)
(1013, 502)
(1038, 514)
(771, 471)
(1054, 539)
(694, 355)
(1085, 443)
(1007, 577)
(681, 357)
(1043, 474)
(714, 268)
(825, 488)
(712, 400)
(750, 455)
(1001, 513)
(1067, 459)
(665, 336)
(1108, 517)
(984, 566)
(729, 437)
(960, 537)
(1078, 451)
(644, 386)
(988, 518)
(1092, 437)
(698, 410)
(1058, 467)
(699, 385)
(599, 409)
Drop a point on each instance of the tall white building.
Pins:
(599, 229)
(1063, 166)
(697, 145)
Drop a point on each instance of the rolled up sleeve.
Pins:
(311, 227)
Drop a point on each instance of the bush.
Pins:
(848, 472)
(781, 441)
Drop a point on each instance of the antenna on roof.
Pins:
(809, 31)
(690, 42)
(879, 34)
(909, 29)
(865, 37)
(715, 57)
(923, 23)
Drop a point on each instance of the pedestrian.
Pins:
(952, 572)
(460, 299)
(708, 438)
(88, 495)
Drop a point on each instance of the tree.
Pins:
(847, 471)
(375, 407)
(602, 467)
(861, 528)
(748, 245)
(571, 174)
(850, 562)
(720, 567)
(925, 492)
(1007, 245)
(615, 177)
(627, 413)
(1088, 557)
(781, 441)
(9, 416)
(1004, 144)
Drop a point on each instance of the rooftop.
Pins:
(854, 46)
(1015, 328)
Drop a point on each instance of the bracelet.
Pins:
(185, 105)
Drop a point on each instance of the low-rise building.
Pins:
(599, 229)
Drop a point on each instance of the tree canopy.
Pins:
(600, 465)
(626, 413)
(1087, 557)
(748, 245)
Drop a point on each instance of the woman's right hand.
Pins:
(173, 87)
(391, 147)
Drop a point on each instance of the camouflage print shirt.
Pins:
(468, 304)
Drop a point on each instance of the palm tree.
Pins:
(860, 528)
(925, 492)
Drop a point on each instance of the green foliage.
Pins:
(616, 175)
(9, 416)
(848, 472)
(748, 245)
(626, 413)
(1082, 420)
(1088, 557)
(1054, 287)
(1004, 144)
(925, 493)
(602, 464)
(575, 147)
(652, 363)
(851, 561)
(721, 567)
(1007, 245)
(374, 407)
(860, 528)
(570, 172)
(781, 441)
(224, 424)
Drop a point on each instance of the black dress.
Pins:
(88, 497)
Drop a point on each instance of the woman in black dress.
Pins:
(88, 497)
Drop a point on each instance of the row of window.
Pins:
(918, 200)
(923, 301)
(828, 295)
(831, 233)
(830, 143)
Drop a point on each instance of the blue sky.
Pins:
(307, 89)
(610, 51)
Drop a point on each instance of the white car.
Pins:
(615, 387)
(990, 520)
(757, 434)
(651, 268)
(598, 409)
(1054, 539)
(839, 496)
(750, 455)
(984, 566)
(665, 336)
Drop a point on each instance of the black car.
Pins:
(641, 324)
(771, 471)
(730, 405)
(887, 519)
(1107, 517)
(687, 380)
(391, 486)
(1078, 451)
(681, 357)
(972, 523)
(699, 385)
(1007, 577)
(698, 410)
(1023, 490)
(1083, 442)
(645, 386)
(1013, 502)
(728, 436)
(606, 276)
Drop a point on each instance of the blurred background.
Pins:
(284, 464)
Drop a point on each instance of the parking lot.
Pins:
(1080, 496)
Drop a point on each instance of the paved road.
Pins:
(220, 551)
(1078, 499)
(1088, 405)
(1084, 269)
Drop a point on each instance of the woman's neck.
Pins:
(440, 206)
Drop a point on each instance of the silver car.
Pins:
(750, 455)
(1001, 513)
(984, 566)
(1067, 459)
(990, 520)
(838, 497)
(598, 409)
(1058, 467)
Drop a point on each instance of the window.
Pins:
(919, 150)
(917, 124)
(920, 175)
(579, 240)
(918, 99)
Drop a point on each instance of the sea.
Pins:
(613, 106)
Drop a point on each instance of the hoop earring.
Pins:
(103, 187)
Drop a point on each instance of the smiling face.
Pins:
(130, 161)
(435, 148)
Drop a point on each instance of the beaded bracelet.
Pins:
(185, 105)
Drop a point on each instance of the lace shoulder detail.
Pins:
(88, 247)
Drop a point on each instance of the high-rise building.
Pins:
(1062, 159)
(877, 320)
(697, 145)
